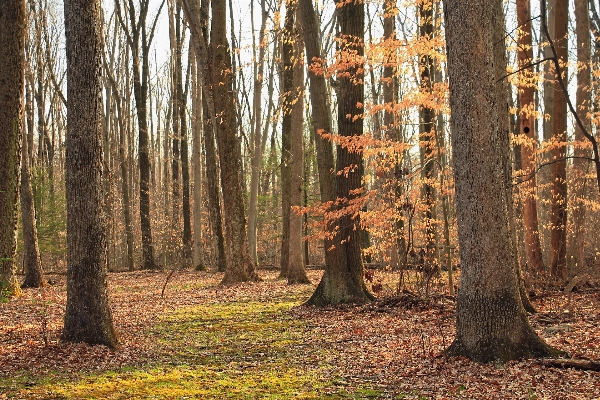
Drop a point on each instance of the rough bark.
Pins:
(576, 259)
(297, 270)
(342, 281)
(427, 134)
(558, 235)
(34, 273)
(257, 147)
(491, 322)
(197, 121)
(286, 135)
(240, 267)
(87, 316)
(12, 41)
(527, 124)
(321, 119)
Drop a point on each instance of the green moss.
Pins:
(238, 350)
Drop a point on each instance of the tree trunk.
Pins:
(240, 267)
(576, 259)
(197, 121)
(34, 274)
(12, 51)
(297, 270)
(256, 143)
(88, 316)
(545, 175)
(427, 134)
(286, 135)
(343, 281)
(491, 322)
(533, 248)
(558, 235)
(321, 119)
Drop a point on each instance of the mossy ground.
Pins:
(241, 349)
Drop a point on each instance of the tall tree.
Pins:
(88, 316)
(321, 119)
(12, 53)
(533, 249)
(257, 147)
(491, 323)
(343, 280)
(576, 257)
(286, 134)
(139, 40)
(34, 274)
(297, 270)
(558, 235)
(427, 130)
(239, 261)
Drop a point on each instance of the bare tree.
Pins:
(491, 322)
(88, 316)
(12, 44)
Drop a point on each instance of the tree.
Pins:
(12, 53)
(576, 257)
(139, 40)
(34, 274)
(297, 270)
(491, 323)
(286, 135)
(88, 316)
(558, 235)
(343, 280)
(533, 249)
(240, 267)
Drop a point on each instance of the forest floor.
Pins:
(256, 340)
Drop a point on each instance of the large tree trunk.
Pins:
(240, 267)
(34, 274)
(297, 270)
(88, 316)
(558, 235)
(286, 135)
(197, 121)
(491, 322)
(533, 248)
(12, 53)
(576, 257)
(343, 280)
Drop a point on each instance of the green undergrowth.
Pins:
(238, 349)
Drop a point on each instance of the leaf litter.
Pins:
(391, 348)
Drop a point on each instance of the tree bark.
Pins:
(491, 322)
(240, 267)
(88, 316)
(343, 280)
(12, 62)
(558, 235)
(576, 258)
(533, 248)
(286, 135)
(321, 119)
(34, 273)
(297, 270)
